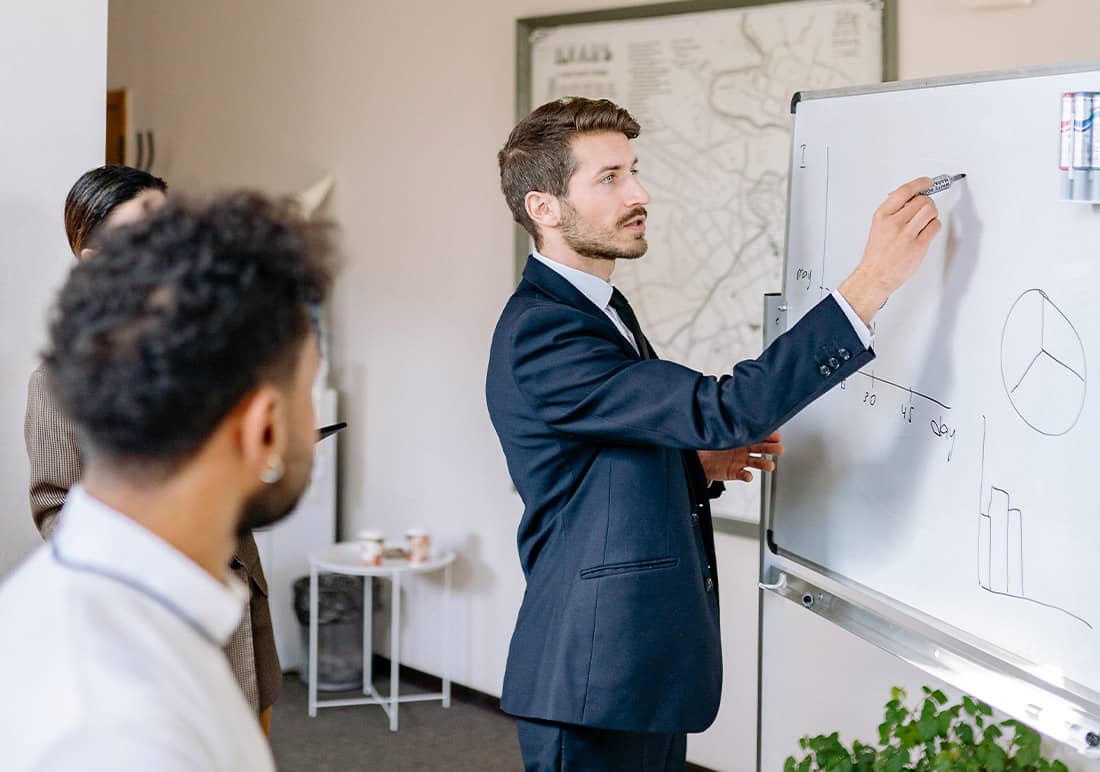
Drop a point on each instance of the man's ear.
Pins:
(543, 209)
(86, 253)
(263, 428)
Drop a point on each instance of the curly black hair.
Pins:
(155, 339)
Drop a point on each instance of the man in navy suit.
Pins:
(616, 653)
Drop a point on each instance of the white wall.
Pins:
(53, 68)
(407, 107)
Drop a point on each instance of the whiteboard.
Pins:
(954, 474)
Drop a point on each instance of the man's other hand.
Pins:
(736, 464)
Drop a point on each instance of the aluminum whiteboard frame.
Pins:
(1066, 711)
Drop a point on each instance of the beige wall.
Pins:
(944, 37)
(53, 67)
(407, 105)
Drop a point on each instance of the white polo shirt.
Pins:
(111, 645)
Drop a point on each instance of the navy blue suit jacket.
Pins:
(619, 623)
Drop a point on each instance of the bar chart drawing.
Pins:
(1001, 542)
(1043, 364)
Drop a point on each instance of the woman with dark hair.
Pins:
(107, 198)
(102, 200)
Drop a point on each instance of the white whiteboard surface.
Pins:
(955, 473)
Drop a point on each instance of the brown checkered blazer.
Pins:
(56, 465)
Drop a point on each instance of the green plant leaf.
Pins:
(935, 737)
(1027, 755)
(928, 727)
(944, 721)
(965, 733)
(884, 733)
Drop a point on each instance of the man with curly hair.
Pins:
(185, 355)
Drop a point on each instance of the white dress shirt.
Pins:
(599, 292)
(112, 645)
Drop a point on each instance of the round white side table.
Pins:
(343, 558)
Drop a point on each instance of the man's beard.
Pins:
(274, 502)
(599, 244)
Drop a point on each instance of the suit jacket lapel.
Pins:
(557, 287)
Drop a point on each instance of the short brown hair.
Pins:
(538, 156)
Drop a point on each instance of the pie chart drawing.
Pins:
(1043, 364)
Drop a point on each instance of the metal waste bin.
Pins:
(339, 630)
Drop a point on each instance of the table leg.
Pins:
(313, 602)
(395, 648)
(447, 647)
(368, 640)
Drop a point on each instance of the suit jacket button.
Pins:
(844, 354)
(834, 362)
(824, 370)
(694, 518)
(709, 584)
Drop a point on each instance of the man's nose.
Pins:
(637, 195)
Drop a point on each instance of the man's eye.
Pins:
(608, 179)
(634, 172)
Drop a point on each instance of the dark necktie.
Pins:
(626, 313)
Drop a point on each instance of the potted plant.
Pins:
(933, 737)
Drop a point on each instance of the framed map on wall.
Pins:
(711, 85)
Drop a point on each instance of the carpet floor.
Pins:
(466, 736)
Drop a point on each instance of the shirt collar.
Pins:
(592, 287)
(94, 536)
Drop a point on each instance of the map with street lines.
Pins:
(712, 91)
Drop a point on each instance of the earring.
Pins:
(274, 471)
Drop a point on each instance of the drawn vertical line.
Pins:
(989, 554)
(1043, 324)
(825, 237)
(981, 505)
(981, 470)
(1023, 591)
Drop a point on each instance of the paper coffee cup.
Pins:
(419, 544)
(371, 544)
